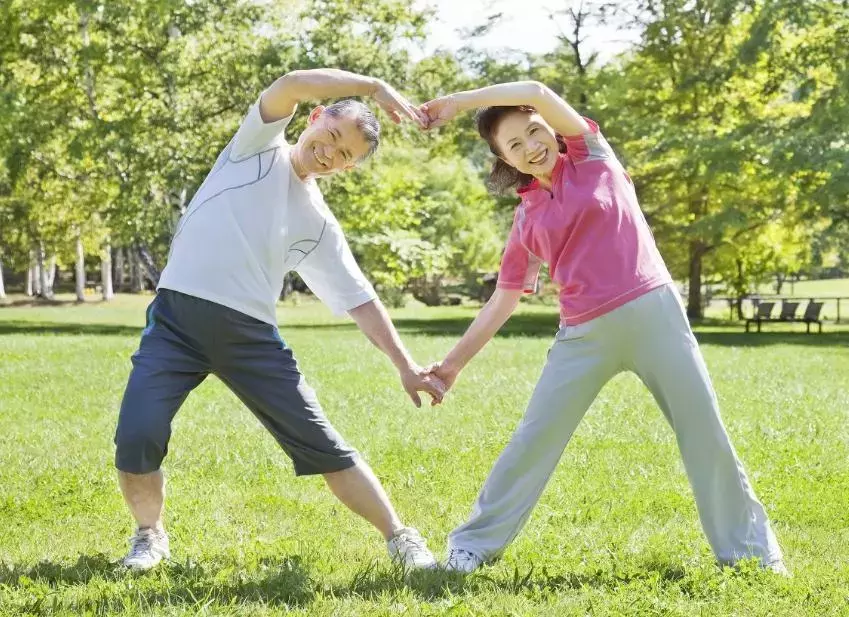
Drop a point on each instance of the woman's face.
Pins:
(527, 142)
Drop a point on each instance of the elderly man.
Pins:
(258, 215)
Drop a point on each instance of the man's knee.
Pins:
(327, 466)
(139, 452)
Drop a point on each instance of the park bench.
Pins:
(763, 314)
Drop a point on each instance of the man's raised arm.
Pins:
(281, 98)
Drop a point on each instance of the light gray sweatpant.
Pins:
(651, 337)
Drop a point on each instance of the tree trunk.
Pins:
(36, 280)
(779, 282)
(427, 290)
(106, 271)
(131, 269)
(79, 273)
(136, 271)
(44, 289)
(30, 277)
(36, 274)
(694, 292)
(120, 278)
(2, 285)
(740, 288)
(288, 288)
(149, 271)
(51, 273)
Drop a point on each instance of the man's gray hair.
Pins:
(366, 121)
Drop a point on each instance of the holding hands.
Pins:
(416, 379)
(394, 104)
(434, 380)
(440, 111)
(439, 377)
(444, 373)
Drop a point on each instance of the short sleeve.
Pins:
(519, 269)
(589, 146)
(255, 135)
(332, 273)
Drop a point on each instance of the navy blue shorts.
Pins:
(185, 340)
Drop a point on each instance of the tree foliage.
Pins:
(731, 115)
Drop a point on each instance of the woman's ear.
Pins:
(315, 113)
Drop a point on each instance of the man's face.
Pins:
(331, 144)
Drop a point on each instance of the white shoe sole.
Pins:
(143, 566)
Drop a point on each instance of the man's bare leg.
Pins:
(145, 496)
(359, 489)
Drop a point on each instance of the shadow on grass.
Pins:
(285, 581)
(373, 582)
(530, 324)
(65, 328)
(540, 325)
(282, 581)
(86, 568)
(764, 339)
(543, 325)
(36, 302)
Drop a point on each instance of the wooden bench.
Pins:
(812, 315)
(762, 313)
(788, 314)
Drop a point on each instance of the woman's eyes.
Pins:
(514, 146)
(533, 130)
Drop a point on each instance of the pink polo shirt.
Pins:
(589, 230)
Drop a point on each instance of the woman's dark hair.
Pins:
(504, 178)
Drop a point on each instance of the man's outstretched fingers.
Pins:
(440, 387)
(414, 396)
(417, 116)
(436, 390)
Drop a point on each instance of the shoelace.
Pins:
(141, 543)
(459, 555)
(415, 541)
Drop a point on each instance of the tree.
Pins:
(415, 220)
(418, 214)
(2, 284)
(148, 92)
(704, 104)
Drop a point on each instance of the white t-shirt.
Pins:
(252, 221)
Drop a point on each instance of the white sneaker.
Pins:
(461, 560)
(147, 548)
(407, 547)
(778, 567)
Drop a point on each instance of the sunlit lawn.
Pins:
(615, 533)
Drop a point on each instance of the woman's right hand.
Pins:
(444, 373)
(441, 110)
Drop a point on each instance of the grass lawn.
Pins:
(615, 533)
(802, 291)
(814, 287)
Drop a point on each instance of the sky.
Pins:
(526, 26)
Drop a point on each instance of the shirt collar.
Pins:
(533, 185)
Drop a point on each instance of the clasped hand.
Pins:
(435, 380)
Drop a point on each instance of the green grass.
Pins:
(818, 287)
(615, 533)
